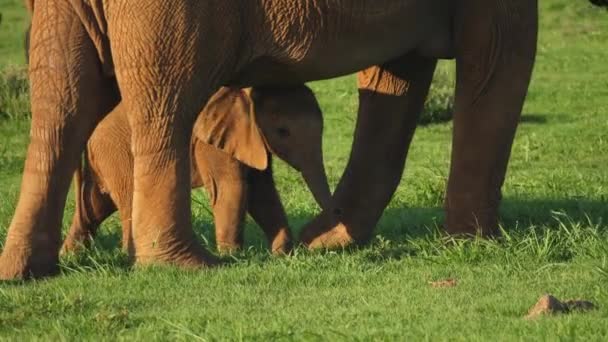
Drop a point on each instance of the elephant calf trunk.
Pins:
(316, 180)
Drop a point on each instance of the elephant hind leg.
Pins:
(66, 105)
(495, 56)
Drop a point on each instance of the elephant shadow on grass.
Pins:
(406, 229)
(399, 226)
(530, 118)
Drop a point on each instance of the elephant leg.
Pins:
(161, 118)
(495, 57)
(92, 208)
(167, 67)
(161, 224)
(66, 83)
(266, 209)
(229, 212)
(224, 179)
(125, 210)
(161, 227)
(391, 98)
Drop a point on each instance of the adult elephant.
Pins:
(168, 57)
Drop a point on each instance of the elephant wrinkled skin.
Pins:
(290, 122)
(164, 59)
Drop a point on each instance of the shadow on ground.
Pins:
(399, 224)
(396, 225)
(529, 118)
(533, 119)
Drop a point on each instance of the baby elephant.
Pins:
(244, 125)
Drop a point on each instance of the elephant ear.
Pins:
(228, 123)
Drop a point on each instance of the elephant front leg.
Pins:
(391, 98)
(161, 223)
(495, 56)
(266, 209)
(224, 179)
(167, 67)
(66, 88)
(229, 207)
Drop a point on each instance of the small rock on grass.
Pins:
(549, 305)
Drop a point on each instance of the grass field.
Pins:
(555, 218)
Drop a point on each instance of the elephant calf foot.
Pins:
(282, 243)
(76, 241)
(25, 263)
(228, 247)
(324, 232)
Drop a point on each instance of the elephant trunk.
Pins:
(316, 179)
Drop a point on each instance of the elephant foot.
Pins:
(76, 243)
(227, 247)
(21, 264)
(282, 243)
(326, 233)
(472, 223)
(189, 256)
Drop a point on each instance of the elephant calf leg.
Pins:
(92, 208)
(390, 101)
(267, 210)
(229, 208)
(224, 179)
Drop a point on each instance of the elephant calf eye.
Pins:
(283, 132)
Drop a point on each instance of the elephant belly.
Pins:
(342, 41)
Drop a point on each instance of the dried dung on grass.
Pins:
(550, 305)
(445, 283)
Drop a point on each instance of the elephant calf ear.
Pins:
(228, 123)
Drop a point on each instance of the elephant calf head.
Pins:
(291, 122)
(286, 122)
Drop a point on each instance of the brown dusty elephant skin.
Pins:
(164, 59)
(290, 123)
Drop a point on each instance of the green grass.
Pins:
(555, 219)
(13, 24)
